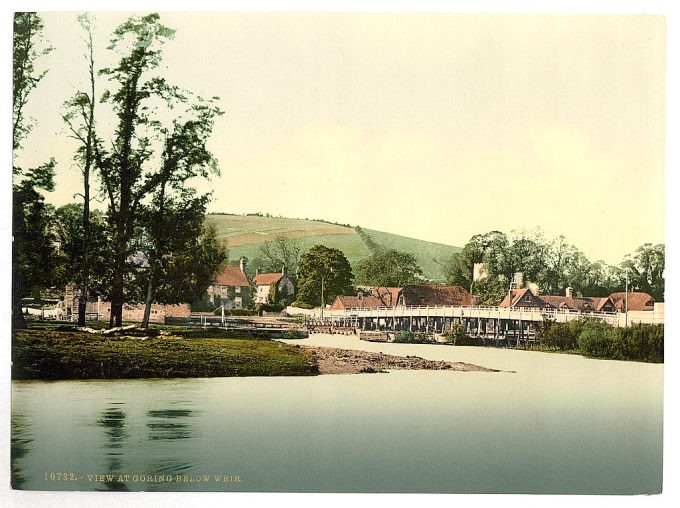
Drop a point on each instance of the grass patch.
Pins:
(53, 354)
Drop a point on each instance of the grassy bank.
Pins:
(594, 339)
(58, 354)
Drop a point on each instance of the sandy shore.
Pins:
(346, 361)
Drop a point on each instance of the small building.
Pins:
(637, 301)
(431, 295)
(230, 289)
(266, 282)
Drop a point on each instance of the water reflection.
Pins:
(19, 448)
(169, 424)
(113, 422)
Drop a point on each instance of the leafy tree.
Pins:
(130, 171)
(490, 291)
(389, 268)
(185, 276)
(33, 251)
(79, 117)
(646, 267)
(327, 266)
(28, 46)
(174, 218)
(69, 231)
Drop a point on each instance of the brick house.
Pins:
(266, 282)
(231, 288)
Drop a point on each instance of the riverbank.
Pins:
(347, 361)
(173, 353)
(55, 354)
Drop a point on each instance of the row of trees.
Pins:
(150, 244)
(554, 265)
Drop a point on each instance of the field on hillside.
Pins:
(243, 236)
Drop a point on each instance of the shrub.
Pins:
(457, 336)
(293, 333)
(409, 337)
(561, 336)
(596, 339)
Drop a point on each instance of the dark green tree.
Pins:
(33, 251)
(646, 270)
(130, 171)
(389, 268)
(325, 266)
(174, 219)
(69, 232)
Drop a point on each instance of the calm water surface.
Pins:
(557, 424)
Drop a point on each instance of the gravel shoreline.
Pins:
(348, 361)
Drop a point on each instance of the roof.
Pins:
(388, 296)
(517, 295)
(571, 303)
(436, 294)
(636, 300)
(356, 302)
(231, 275)
(266, 279)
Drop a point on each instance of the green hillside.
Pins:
(243, 236)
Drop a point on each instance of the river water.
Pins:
(548, 423)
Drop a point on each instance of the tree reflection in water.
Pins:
(113, 422)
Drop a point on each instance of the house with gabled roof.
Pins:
(526, 298)
(230, 288)
(279, 282)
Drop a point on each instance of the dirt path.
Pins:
(346, 361)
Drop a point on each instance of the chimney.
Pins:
(570, 292)
(284, 271)
(257, 271)
(242, 264)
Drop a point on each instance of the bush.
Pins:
(408, 337)
(457, 336)
(293, 333)
(596, 339)
(302, 305)
(560, 336)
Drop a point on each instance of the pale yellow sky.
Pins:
(435, 126)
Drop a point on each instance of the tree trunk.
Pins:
(84, 290)
(18, 321)
(149, 297)
(117, 287)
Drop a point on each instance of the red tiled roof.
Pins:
(435, 294)
(517, 295)
(356, 302)
(636, 300)
(266, 279)
(388, 296)
(231, 275)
